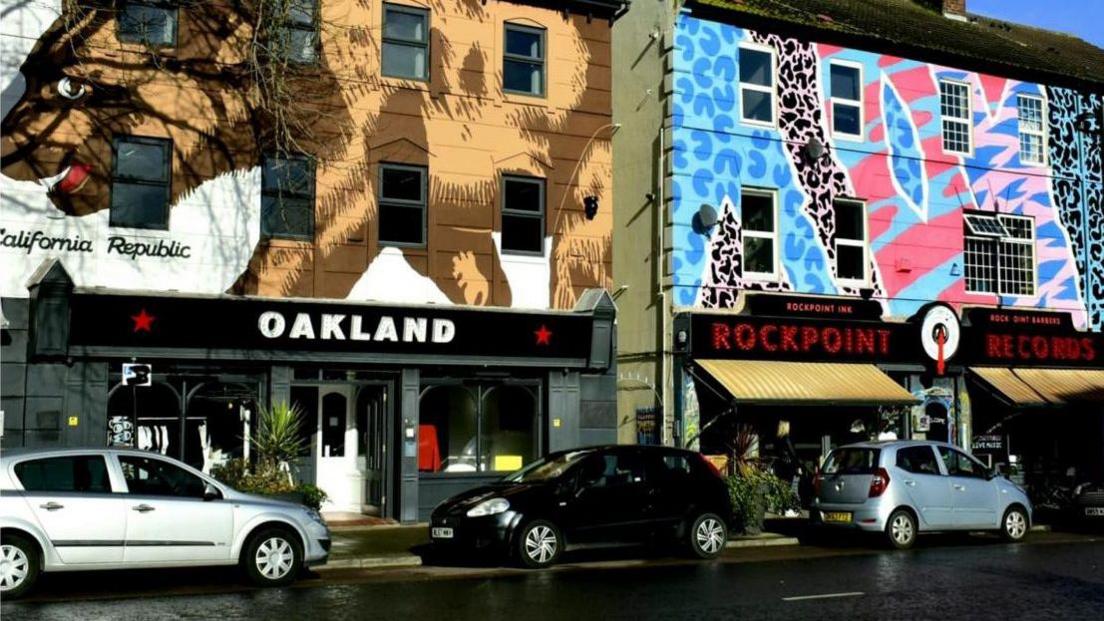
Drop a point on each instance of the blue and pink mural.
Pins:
(914, 192)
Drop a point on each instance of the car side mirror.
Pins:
(211, 493)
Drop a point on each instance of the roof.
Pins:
(913, 30)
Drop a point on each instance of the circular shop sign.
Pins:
(940, 321)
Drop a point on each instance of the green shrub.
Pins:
(264, 477)
(313, 496)
(754, 491)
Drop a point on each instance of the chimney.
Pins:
(950, 8)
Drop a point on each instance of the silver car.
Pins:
(903, 488)
(86, 509)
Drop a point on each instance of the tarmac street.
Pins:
(1053, 576)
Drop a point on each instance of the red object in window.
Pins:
(429, 455)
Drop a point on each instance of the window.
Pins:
(757, 86)
(850, 240)
(478, 428)
(917, 460)
(152, 477)
(141, 177)
(402, 204)
(405, 42)
(149, 23)
(610, 470)
(523, 60)
(79, 473)
(999, 254)
(1031, 112)
(759, 235)
(852, 461)
(296, 40)
(846, 94)
(959, 464)
(287, 197)
(523, 214)
(954, 106)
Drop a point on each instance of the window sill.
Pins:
(413, 84)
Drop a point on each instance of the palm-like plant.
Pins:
(277, 438)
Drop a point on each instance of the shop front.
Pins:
(401, 406)
(799, 375)
(1037, 388)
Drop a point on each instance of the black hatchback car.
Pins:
(599, 495)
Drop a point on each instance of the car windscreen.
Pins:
(852, 461)
(547, 468)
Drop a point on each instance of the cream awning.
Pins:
(806, 383)
(1029, 387)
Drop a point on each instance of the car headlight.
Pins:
(494, 506)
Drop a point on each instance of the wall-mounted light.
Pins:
(590, 207)
(704, 219)
(815, 150)
(955, 269)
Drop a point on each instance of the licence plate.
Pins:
(440, 532)
(837, 517)
(1094, 511)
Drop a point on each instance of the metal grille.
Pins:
(954, 105)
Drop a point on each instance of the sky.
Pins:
(1083, 18)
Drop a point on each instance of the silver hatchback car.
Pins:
(903, 488)
(90, 509)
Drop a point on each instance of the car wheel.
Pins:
(19, 566)
(708, 536)
(272, 557)
(1014, 525)
(901, 529)
(539, 544)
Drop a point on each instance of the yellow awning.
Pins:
(1027, 387)
(806, 383)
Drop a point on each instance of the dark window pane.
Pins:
(845, 119)
(917, 459)
(755, 67)
(140, 206)
(757, 106)
(301, 12)
(146, 24)
(400, 224)
(404, 25)
(522, 195)
(852, 461)
(287, 216)
(757, 212)
(523, 76)
(845, 82)
(849, 220)
(299, 45)
(524, 43)
(288, 176)
(402, 184)
(850, 262)
(522, 233)
(758, 255)
(140, 160)
(404, 61)
(153, 477)
(64, 474)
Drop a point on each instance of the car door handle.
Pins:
(51, 506)
(143, 508)
(960, 488)
(910, 483)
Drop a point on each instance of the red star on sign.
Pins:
(143, 321)
(544, 335)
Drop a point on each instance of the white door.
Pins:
(72, 499)
(168, 519)
(339, 472)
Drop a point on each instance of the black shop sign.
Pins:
(137, 322)
(1029, 338)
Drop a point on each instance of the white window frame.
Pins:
(1041, 133)
(858, 103)
(1031, 243)
(967, 121)
(772, 90)
(773, 235)
(864, 243)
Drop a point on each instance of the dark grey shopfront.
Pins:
(404, 405)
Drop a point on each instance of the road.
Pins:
(1055, 576)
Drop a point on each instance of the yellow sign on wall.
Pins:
(507, 462)
(74, 421)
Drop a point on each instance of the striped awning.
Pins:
(806, 383)
(1036, 387)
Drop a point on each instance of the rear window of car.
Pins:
(852, 461)
(77, 473)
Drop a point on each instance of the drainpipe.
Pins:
(661, 295)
